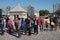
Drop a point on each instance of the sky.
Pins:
(38, 4)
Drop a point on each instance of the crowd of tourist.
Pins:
(27, 26)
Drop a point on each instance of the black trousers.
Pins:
(16, 26)
(1, 27)
(29, 31)
(35, 29)
(51, 27)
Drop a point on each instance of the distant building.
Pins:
(30, 11)
(56, 7)
(3, 12)
(20, 12)
(0, 12)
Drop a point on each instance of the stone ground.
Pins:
(46, 35)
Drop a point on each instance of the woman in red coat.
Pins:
(40, 24)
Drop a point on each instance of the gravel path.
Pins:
(47, 35)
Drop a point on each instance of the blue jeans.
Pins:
(1, 26)
(22, 28)
(41, 28)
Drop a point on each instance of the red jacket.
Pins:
(39, 21)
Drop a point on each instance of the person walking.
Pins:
(16, 21)
(35, 25)
(41, 23)
(9, 25)
(4, 24)
(28, 24)
(47, 22)
(55, 22)
(23, 25)
(51, 23)
(1, 25)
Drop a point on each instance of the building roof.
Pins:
(18, 9)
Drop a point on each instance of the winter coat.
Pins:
(39, 22)
(9, 24)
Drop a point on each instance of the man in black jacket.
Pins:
(35, 25)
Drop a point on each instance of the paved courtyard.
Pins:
(47, 35)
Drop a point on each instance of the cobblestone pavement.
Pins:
(46, 35)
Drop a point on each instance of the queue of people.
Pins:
(25, 26)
